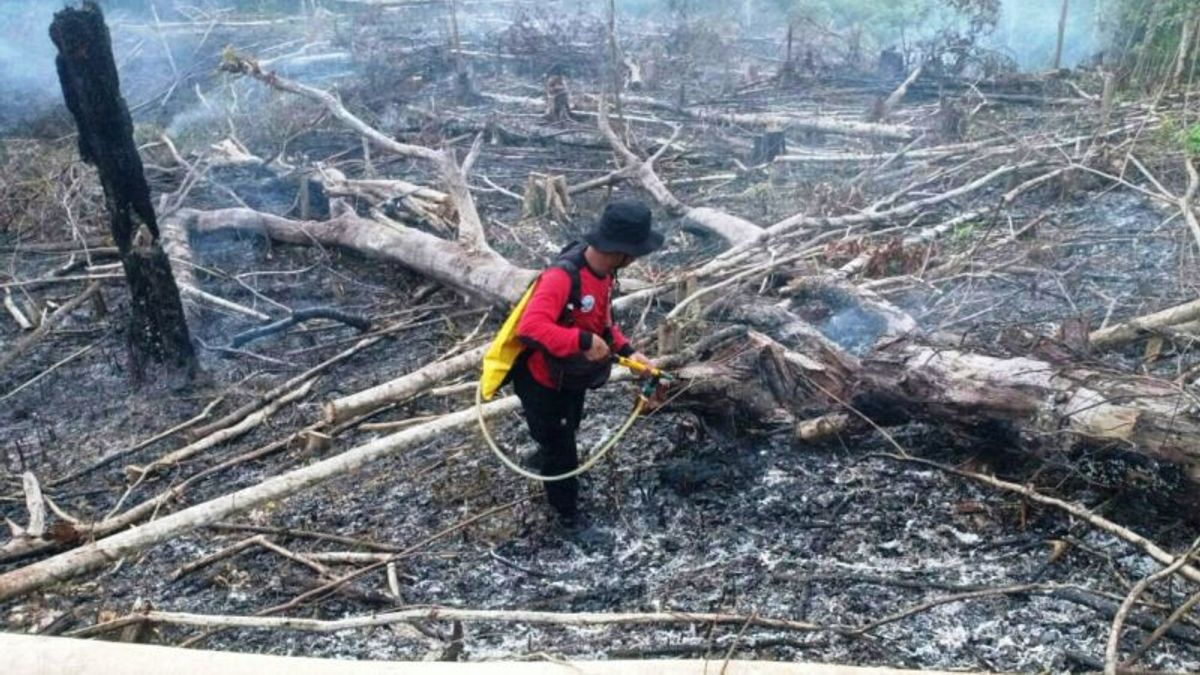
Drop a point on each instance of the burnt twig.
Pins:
(358, 322)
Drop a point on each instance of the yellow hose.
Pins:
(596, 455)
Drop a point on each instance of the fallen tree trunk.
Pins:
(1035, 405)
(405, 386)
(889, 104)
(29, 654)
(102, 551)
(481, 273)
(823, 125)
(1020, 403)
(470, 227)
(731, 228)
(1016, 402)
(1133, 329)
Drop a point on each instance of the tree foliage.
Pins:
(1146, 37)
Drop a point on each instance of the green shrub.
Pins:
(1192, 142)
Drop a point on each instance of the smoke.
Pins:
(29, 87)
(28, 80)
(1028, 32)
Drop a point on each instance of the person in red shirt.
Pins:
(569, 329)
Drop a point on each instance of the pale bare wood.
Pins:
(34, 504)
(16, 312)
(1128, 331)
(283, 388)
(824, 125)
(29, 340)
(727, 226)
(401, 388)
(101, 551)
(216, 301)
(43, 655)
(439, 613)
(482, 274)
(223, 435)
(893, 100)
(470, 226)
(1187, 202)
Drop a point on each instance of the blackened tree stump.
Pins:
(158, 330)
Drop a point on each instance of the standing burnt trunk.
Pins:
(767, 146)
(158, 331)
(787, 72)
(558, 95)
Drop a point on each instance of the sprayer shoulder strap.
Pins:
(569, 261)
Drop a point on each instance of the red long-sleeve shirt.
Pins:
(557, 359)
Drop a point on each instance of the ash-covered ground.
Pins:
(691, 514)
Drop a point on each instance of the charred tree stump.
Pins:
(158, 330)
(768, 146)
(951, 121)
(890, 67)
(558, 95)
(546, 196)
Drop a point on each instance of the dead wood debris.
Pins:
(876, 228)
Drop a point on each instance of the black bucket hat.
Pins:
(625, 228)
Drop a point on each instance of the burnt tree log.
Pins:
(158, 330)
(1017, 403)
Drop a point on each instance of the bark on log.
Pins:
(1021, 403)
(158, 329)
(1037, 405)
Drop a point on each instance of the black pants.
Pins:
(553, 418)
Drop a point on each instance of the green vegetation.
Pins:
(1192, 142)
(1146, 38)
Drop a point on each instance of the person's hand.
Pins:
(639, 357)
(598, 351)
